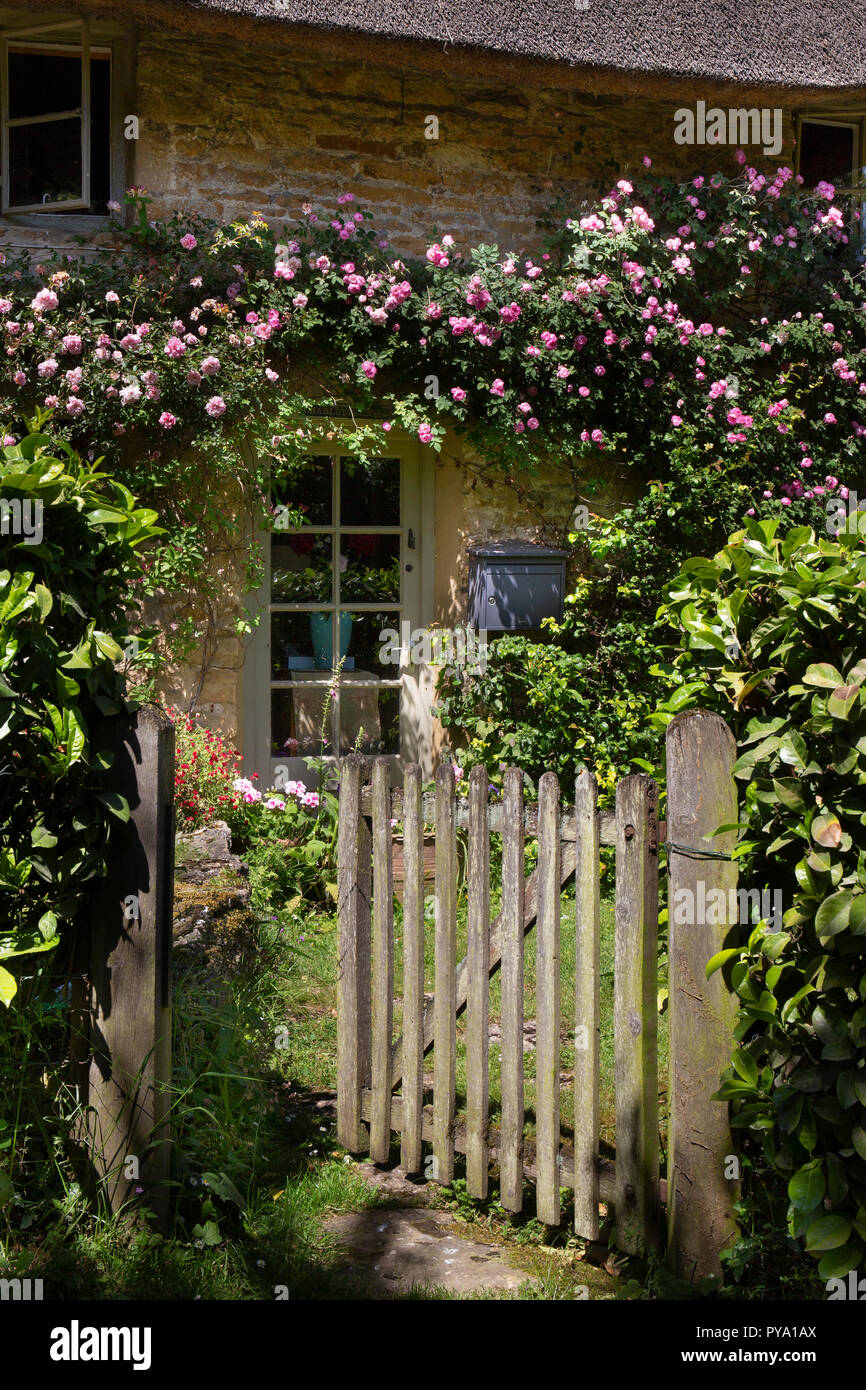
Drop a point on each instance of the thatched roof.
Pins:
(812, 47)
(791, 43)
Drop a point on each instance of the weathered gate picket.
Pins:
(372, 1065)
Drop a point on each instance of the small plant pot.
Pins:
(398, 864)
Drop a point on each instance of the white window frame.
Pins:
(24, 39)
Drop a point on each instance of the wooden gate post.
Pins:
(130, 970)
(354, 874)
(701, 797)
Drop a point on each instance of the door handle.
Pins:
(410, 542)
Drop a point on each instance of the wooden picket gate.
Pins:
(372, 1064)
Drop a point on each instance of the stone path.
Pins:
(394, 1250)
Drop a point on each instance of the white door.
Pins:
(328, 669)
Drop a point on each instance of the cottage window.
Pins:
(829, 150)
(55, 123)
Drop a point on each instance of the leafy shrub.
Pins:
(538, 707)
(774, 637)
(64, 618)
(289, 840)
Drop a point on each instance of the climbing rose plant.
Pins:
(724, 315)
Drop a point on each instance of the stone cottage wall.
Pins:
(268, 128)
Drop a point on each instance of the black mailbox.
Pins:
(514, 584)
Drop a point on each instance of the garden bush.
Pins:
(772, 635)
(69, 541)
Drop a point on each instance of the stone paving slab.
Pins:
(392, 1250)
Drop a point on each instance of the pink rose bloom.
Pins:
(583, 390)
(210, 366)
(458, 393)
(300, 301)
(45, 299)
(323, 264)
(193, 378)
(47, 368)
(215, 407)
(20, 379)
(167, 420)
(519, 426)
(498, 387)
(174, 348)
(647, 162)
(386, 425)
(369, 369)
(188, 242)
(72, 343)
(112, 298)
(425, 433)
(74, 407)
(271, 374)
(532, 423)
(676, 421)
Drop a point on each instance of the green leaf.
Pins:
(833, 915)
(746, 1066)
(117, 804)
(806, 1188)
(837, 1263)
(823, 674)
(826, 830)
(827, 1233)
(718, 960)
(8, 987)
(842, 700)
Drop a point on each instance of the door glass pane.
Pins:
(369, 718)
(370, 493)
(296, 722)
(374, 643)
(292, 645)
(301, 568)
(310, 490)
(370, 568)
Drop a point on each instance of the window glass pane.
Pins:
(42, 82)
(292, 645)
(370, 568)
(369, 719)
(370, 493)
(374, 643)
(296, 722)
(301, 568)
(311, 490)
(826, 152)
(45, 162)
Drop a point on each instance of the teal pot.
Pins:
(320, 631)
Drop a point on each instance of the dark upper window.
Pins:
(56, 133)
(829, 151)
